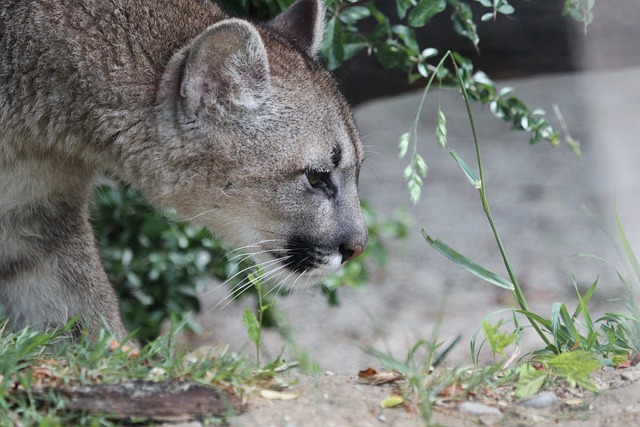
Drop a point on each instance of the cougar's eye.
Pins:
(317, 178)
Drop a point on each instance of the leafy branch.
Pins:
(396, 47)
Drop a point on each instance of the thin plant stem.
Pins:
(414, 126)
(517, 290)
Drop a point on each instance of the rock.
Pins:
(542, 400)
(631, 375)
(478, 409)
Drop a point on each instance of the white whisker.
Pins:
(208, 211)
(256, 253)
(283, 282)
(254, 245)
(276, 270)
(244, 270)
(247, 285)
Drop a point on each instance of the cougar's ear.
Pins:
(303, 24)
(226, 66)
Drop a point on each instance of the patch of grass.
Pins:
(427, 382)
(35, 366)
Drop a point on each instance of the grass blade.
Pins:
(555, 322)
(570, 326)
(607, 263)
(583, 301)
(470, 173)
(467, 264)
(627, 247)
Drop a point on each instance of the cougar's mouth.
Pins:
(303, 256)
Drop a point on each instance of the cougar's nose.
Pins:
(351, 250)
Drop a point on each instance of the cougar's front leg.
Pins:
(50, 267)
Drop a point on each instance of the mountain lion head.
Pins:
(259, 145)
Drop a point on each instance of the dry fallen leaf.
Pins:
(131, 350)
(371, 376)
(452, 391)
(367, 373)
(624, 365)
(206, 352)
(277, 395)
(574, 401)
(47, 373)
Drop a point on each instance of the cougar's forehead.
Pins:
(336, 140)
(352, 151)
(309, 93)
(338, 143)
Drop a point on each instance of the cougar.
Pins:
(235, 125)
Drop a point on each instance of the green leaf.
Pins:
(402, 6)
(429, 53)
(580, 10)
(390, 56)
(563, 327)
(529, 381)
(545, 323)
(351, 15)
(424, 11)
(462, 18)
(351, 49)
(575, 367)
(251, 323)
(408, 37)
(487, 17)
(467, 264)
(470, 173)
(422, 70)
(506, 9)
(498, 341)
(333, 48)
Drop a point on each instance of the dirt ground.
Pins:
(539, 199)
(337, 401)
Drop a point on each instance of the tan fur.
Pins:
(228, 122)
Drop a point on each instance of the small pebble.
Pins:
(478, 409)
(542, 400)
